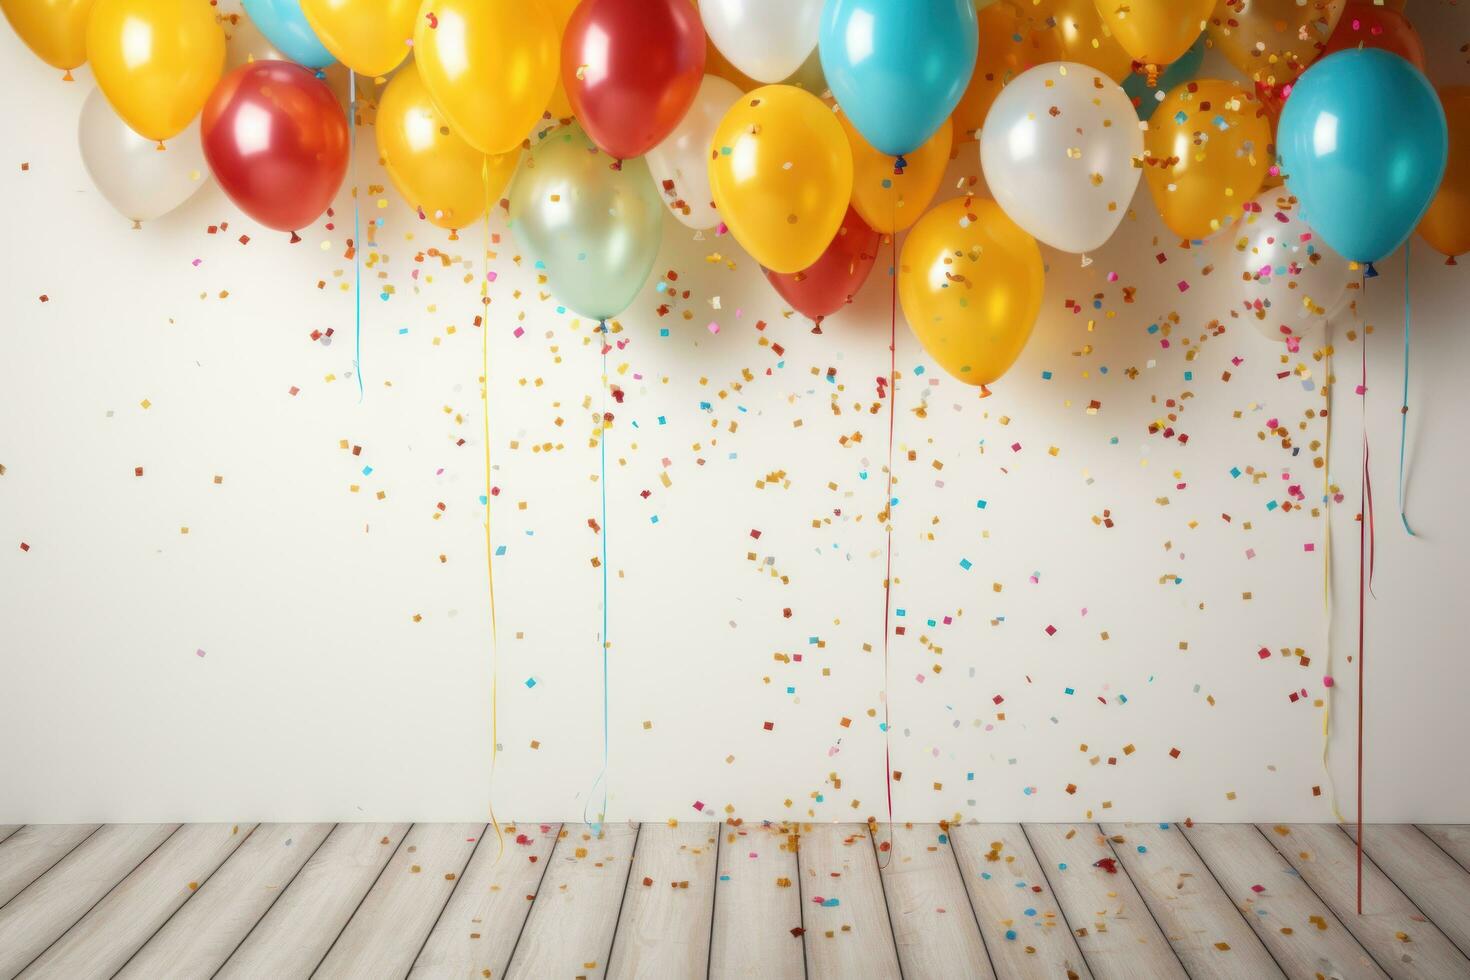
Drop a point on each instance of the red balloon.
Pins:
(829, 283)
(631, 70)
(277, 142)
(1365, 25)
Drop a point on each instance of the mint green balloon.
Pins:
(592, 229)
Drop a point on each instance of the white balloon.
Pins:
(1058, 149)
(138, 179)
(766, 39)
(1290, 282)
(680, 164)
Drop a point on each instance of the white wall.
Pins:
(319, 695)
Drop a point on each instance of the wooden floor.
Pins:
(693, 900)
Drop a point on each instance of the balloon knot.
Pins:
(1153, 75)
(898, 164)
(617, 165)
(67, 77)
(1451, 261)
(295, 238)
(137, 225)
(160, 147)
(1371, 273)
(984, 391)
(817, 324)
(454, 234)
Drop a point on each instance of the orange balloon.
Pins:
(971, 282)
(1273, 41)
(1082, 34)
(887, 200)
(1446, 225)
(1155, 32)
(372, 37)
(1205, 155)
(157, 61)
(1009, 44)
(561, 12)
(56, 30)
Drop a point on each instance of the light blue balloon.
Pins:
(898, 67)
(1146, 99)
(1363, 145)
(285, 26)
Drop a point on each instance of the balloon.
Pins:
(781, 172)
(632, 68)
(809, 76)
(450, 182)
(898, 67)
(1366, 25)
(155, 60)
(680, 164)
(491, 66)
(283, 23)
(970, 282)
(245, 43)
(1155, 32)
(276, 141)
(1291, 281)
(766, 39)
(888, 200)
(830, 283)
(1145, 99)
(561, 11)
(1059, 150)
(1363, 145)
(1084, 37)
(372, 37)
(1208, 148)
(1446, 225)
(55, 30)
(593, 227)
(1008, 46)
(1273, 41)
(137, 180)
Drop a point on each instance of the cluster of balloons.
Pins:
(719, 113)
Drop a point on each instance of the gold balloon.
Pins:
(450, 182)
(1273, 41)
(1446, 225)
(561, 12)
(155, 60)
(781, 171)
(971, 282)
(372, 37)
(887, 200)
(1155, 32)
(56, 30)
(1206, 154)
(1082, 34)
(491, 66)
(1009, 44)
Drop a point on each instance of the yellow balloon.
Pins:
(888, 201)
(1084, 37)
(561, 12)
(1155, 32)
(970, 281)
(450, 182)
(1273, 41)
(781, 172)
(372, 37)
(1206, 154)
(1009, 44)
(155, 60)
(491, 66)
(56, 30)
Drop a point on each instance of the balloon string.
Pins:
(1366, 546)
(489, 491)
(356, 229)
(887, 850)
(1327, 582)
(1404, 408)
(602, 485)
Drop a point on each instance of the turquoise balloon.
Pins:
(1363, 145)
(592, 227)
(898, 67)
(285, 26)
(1146, 99)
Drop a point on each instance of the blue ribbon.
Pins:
(1404, 406)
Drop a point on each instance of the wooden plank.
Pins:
(7, 829)
(33, 850)
(848, 933)
(1391, 928)
(294, 936)
(119, 925)
(55, 901)
(479, 928)
(934, 928)
(757, 915)
(385, 934)
(569, 932)
(1430, 878)
(1020, 921)
(1208, 934)
(1301, 932)
(1113, 926)
(1452, 838)
(202, 935)
(664, 927)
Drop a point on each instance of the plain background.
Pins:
(310, 652)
